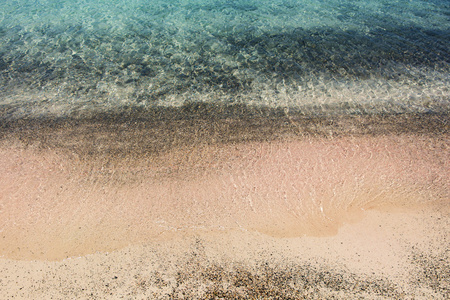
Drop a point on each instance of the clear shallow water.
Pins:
(73, 57)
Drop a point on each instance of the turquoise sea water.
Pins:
(70, 57)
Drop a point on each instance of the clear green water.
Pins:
(66, 57)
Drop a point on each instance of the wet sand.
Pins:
(193, 207)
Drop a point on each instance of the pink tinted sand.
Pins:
(54, 205)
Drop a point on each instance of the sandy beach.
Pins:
(383, 256)
(341, 211)
(218, 149)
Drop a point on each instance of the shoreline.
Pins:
(56, 204)
(384, 256)
(175, 208)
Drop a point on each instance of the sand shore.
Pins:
(383, 256)
(337, 210)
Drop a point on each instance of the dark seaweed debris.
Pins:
(272, 282)
(433, 271)
(198, 278)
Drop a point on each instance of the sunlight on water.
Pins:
(180, 91)
(232, 149)
(282, 189)
(72, 57)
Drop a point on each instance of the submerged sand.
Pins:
(338, 215)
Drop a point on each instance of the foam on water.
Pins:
(71, 57)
